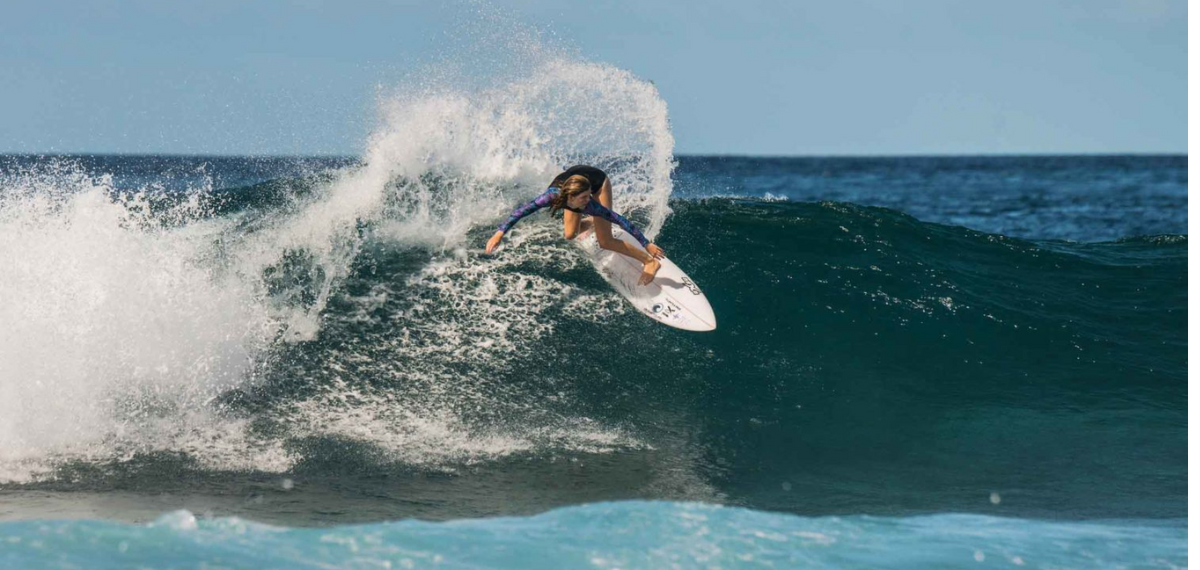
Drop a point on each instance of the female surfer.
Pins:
(576, 192)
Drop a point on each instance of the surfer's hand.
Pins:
(656, 251)
(495, 241)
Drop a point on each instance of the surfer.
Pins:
(585, 191)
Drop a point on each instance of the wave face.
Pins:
(607, 535)
(335, 326)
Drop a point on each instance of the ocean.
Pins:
(920, 362)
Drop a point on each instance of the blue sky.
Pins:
(739, 77)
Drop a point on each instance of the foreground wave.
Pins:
(626, 535)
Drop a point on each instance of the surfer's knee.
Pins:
(570, 234)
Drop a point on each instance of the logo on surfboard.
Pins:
(665, 311)
(691, 285)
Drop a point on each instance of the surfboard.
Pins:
(672, 299)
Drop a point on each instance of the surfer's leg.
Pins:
(605, 194)
(604, 227)
(571, 227)
(606, 240)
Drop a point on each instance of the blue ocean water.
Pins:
(627, 535)
(1075, 198)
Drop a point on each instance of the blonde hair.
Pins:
(571, 187)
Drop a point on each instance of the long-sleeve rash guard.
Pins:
(593, 208)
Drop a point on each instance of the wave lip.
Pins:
(627, 535)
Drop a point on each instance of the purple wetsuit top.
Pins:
(593, 208)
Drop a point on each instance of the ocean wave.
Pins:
(445, 360)
(625, 535)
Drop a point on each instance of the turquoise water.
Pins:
(628, 535)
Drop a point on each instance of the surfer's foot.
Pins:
(649, 269)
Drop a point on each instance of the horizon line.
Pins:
(733, 155)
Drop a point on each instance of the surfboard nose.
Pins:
(709, 319)
(705, 320)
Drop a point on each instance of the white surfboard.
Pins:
(672, 299)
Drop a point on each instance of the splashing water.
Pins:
(125, 323)
(114, 329)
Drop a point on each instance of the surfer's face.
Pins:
(579, 200)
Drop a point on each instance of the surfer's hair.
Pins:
(571, 187)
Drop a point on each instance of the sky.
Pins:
(747, 77)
